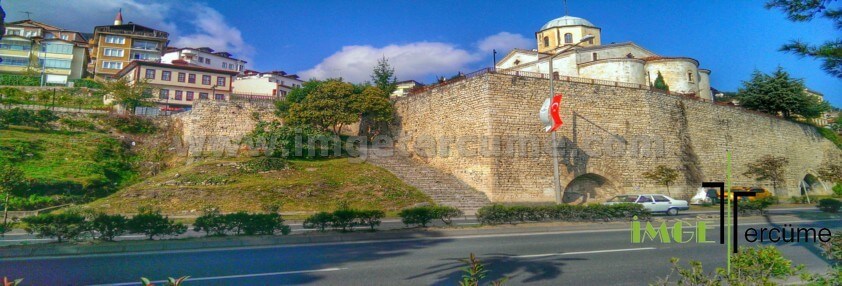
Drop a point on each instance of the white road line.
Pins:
(583, 252)
(233, 276)
(29, 239)
(474, 236)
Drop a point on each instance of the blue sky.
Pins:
(430, 38)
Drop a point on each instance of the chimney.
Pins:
(119, 19)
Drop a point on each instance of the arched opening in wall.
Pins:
(568, 38)
(546, 41)
(810, 185)
(588, 188)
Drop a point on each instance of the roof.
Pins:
(131, 28)
(409, 81)
(565, 21)
(134, 64)
(204, 50)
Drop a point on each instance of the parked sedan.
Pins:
(655, 203)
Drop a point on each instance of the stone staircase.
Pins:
(443, 188)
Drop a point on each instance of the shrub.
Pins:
(109, 226)
(370, 218)
(417, 215)
(751, 266)
(264, 224)
(344, 219)
(829, 205)
(446, 213)
(498, 214)
(63, 226)
(757, 205)
(86, 82)
(19, 80)
(320, 221)
(131, 124)
(833, 248)
(19, 116)
(211, 222)
(237, 221)
(837, 190)
(152, 223)
(264, 164)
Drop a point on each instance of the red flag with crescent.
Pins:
(555, 112)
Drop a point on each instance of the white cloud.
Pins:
(415, 60)
(214, 32)
(208, 26)
(503, 42)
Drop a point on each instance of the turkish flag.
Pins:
(555, 112)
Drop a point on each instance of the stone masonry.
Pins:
(486, 132)
(216, 128)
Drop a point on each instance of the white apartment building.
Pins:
(204, 57)
(274, 83)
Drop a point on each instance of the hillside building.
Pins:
(274, 83)
(204, 57)
(112, 47)
(179, 84)
(56, 54)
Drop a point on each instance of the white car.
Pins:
(655, 203)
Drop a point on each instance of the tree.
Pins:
(11, 179)
(779, 94)
(660, 84)
(829, 52)
(327, 107)
(768, 168)
(129, 94)
(383, 77)
(375, 110)
(662, 175)
(152, 223)
(63, 226)
(831, 172)
(109, 226)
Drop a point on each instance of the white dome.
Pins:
(566, 21)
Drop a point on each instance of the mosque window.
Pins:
(594, 56)
(546, 41)
(517, 62)
(568, 38)
(690, 76)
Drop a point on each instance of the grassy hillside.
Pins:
(303, 186)
(64, 166)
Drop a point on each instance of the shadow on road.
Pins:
(500, 265)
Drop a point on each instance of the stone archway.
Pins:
(810, 185)
(588, 188)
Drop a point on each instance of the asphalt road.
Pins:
(598, 257)
(20, 237)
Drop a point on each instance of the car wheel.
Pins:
(672, 211)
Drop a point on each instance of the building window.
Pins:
(65, 37)
(177, 95)
(283, 93)
(224, 65)
(241, 68)
(112, 65)
(568, 38)
(115, 40)
(113, 52)
(220, 81)
(181, 76)
(191, 78)
(57, 49)
(207, 60)
(150, 74)
(145, 45)
(219, 96)
(15, 45)
(201, 59)
(690, 76)
(590, 41)
(206, 79)
(144, 56)
(18, 62)
(546, 41)
(594, 56)
(203, 95)
(55, 64)
(189, 96)
(517, 62)
(165, 94)
(166, 75)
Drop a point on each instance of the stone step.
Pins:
(443, 188)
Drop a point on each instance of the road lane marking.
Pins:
(583, 252)
(473, 236)
(233, 276)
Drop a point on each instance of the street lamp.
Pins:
(556, 179)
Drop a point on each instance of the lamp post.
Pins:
(556, 179)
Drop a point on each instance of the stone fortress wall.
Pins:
(216, 128)
(485, 131)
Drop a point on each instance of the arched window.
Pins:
(546, 41)
(568, 38)
(690, 76)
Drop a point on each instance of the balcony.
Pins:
(150, 34)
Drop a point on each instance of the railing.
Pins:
(136, 33)
(252, 97)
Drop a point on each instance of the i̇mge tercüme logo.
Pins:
(684, 232)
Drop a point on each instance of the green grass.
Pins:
(307, 185)
(63, 165)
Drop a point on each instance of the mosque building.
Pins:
(619, 62)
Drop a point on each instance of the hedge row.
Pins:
(212, 222)
(19, 80)
(500, 214)
(424, 215)
(76, 226)
(344, 219)
(829, 205)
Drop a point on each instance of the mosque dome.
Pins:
(567, 21)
